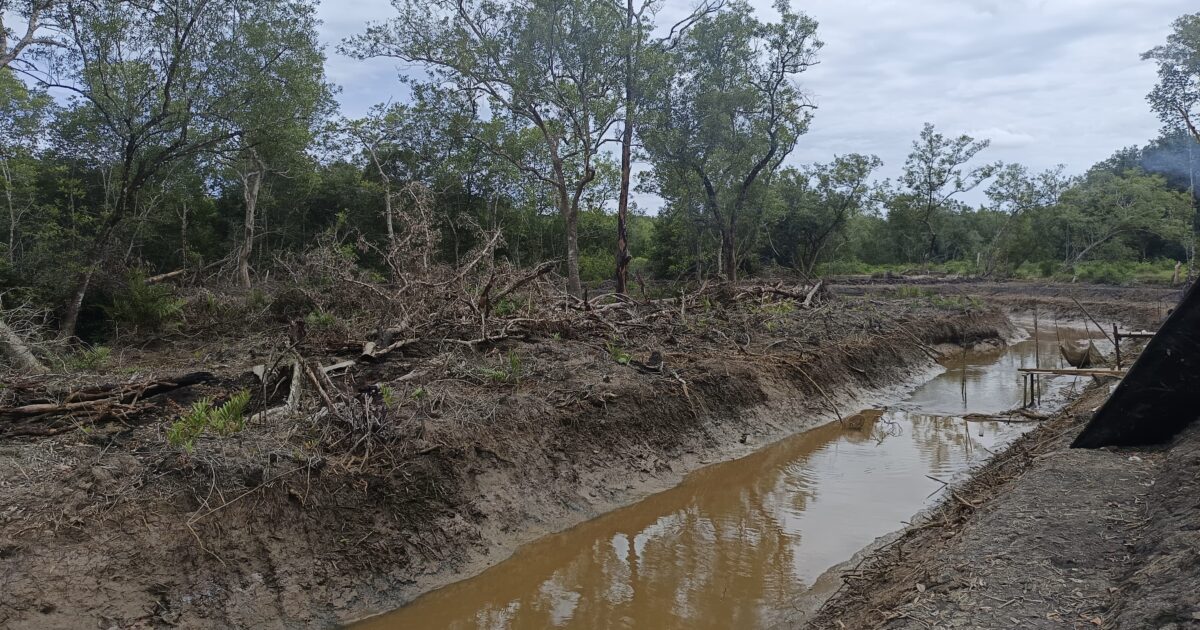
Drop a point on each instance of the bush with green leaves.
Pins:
(145, 307)
(203, 417)
(89, 359)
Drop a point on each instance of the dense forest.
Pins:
(140, 138)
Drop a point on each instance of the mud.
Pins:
(738, 544)
(270, 527)
(273, 527)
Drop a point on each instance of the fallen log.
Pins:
(13, 347)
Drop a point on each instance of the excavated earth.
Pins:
(284, 524)
(288, 524)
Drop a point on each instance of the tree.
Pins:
(275, 43)
(1015, 193)
(816, 206)
(728, 111)
(637, 49)
(543, 65)
(23, 115)
(1176, 97)
(1105, 206)
(36, 14)
(151, 86)
(935, 172)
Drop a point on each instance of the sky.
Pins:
(1047, 81)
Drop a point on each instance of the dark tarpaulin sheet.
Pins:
(1161, 393)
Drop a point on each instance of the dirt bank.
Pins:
(1044, 537)
(455, 456)
(1133, 306)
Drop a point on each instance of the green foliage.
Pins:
(90, 359)
(203, 417)
(320, 320)
(388, 395)
(145, 307)
(510, 371)
(618, 354)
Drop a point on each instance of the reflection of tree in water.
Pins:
(717, 551)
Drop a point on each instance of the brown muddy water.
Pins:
(750, 542)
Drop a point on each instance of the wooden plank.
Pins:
(1072, 372)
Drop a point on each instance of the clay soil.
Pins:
(447, 454)
(1044, 537)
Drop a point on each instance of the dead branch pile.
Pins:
(39, 414)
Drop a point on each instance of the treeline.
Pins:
(145, 137)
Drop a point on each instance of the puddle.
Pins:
(744, 543)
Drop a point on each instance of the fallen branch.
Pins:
(163, 277)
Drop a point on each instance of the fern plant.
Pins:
(224, 419)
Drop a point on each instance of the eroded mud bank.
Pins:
(253, 531)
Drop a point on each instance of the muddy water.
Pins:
(743, 544)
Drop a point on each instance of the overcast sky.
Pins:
(1048, 81)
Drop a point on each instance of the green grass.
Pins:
(1157, 272)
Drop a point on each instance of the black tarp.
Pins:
(1160, 395)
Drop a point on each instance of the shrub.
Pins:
(89, 360)
(509, 372)
(320, 320)
(145, 307)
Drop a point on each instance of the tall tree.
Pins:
(37, 16)
(150, 82)
(545, 65)
(1015, 193)
(815, 206)
(1105, 207)
(1176, 97)
(275, 43)
(729, 111)
(637, 50)
(23, 114)
(935, 172)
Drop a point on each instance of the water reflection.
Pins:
(739, 542)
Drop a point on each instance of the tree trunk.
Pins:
(574, 285)
(71, 318)
(626, 159)
(729, 252)
(18, 353)
(12, 212)
(251, 184)
(183, 236)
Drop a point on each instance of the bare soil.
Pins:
(450, 452)
(446, 456)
